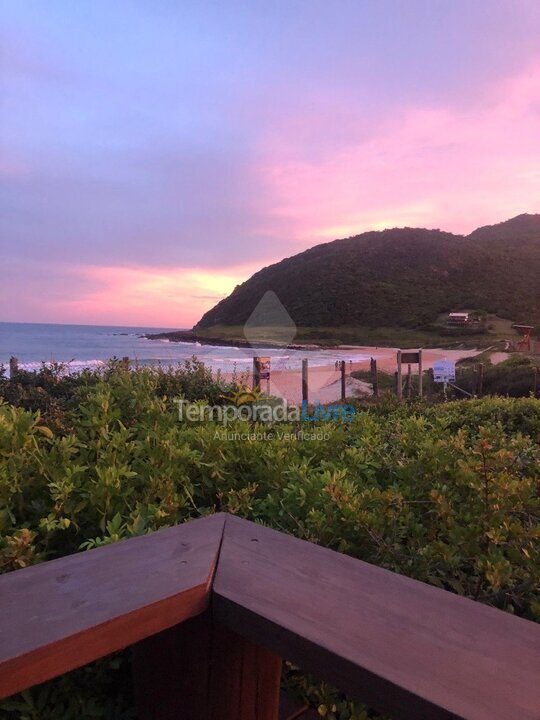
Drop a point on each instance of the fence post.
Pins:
(409, 381)
(374, 377)
(343, 385)
(256, 374)
(125, 362)
(480, 380)
(201, 670)
(430, 384)
(420, 375)
(305, 392)
(399, 386)
(13, 366)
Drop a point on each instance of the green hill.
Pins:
(399, 278)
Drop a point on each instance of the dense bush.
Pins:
(447, 494)
(517, 377)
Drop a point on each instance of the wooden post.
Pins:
(201, 670)
(125, 362)
(399, 386)
(420, 375)
(480, 380)
(343, 384)
(305, 391)
(430, 390)
(256, 375)
(535, 382)
(374, 377)
(409, 381)
(13, 366)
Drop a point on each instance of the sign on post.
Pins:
(408, 357)
(261, 371)
(444, 371)
(264, 368)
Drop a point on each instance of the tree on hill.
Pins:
(400, 278)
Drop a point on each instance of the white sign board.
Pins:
(444, 371)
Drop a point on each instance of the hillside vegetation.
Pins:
(400, 278)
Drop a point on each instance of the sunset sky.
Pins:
(155, 153)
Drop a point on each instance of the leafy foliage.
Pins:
(517, 377)
(447, 494)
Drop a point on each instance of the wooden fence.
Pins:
(211, 607)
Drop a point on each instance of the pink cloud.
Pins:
(326, 175)
(426, 166)
(166, 297)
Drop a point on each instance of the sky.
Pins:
(156, 153)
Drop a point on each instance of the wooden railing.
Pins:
(212, 606)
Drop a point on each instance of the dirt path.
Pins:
(325, 381)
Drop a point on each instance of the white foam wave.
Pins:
(71, 366)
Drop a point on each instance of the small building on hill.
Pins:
(458, 318)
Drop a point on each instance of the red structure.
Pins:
(524, 345)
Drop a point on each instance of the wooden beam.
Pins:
(305, 387)
(245, 678)
(201, 670)
(62, 614)
(399, 383)
(480, 380)
(374, 377)
(408, 381)
(256, 380)
(399, 645)
(420, 375)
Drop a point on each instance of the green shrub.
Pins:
(514, 377)
(447, 494)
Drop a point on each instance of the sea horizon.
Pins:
(83, 346)
(82, 324)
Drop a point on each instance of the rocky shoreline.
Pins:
(188, 336)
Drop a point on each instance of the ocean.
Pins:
(90, 346)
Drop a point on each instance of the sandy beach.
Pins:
(325, 381)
